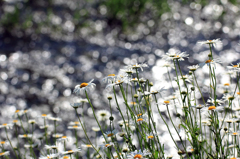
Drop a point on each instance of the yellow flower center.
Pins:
(44, 115)
(107, 145)
(111, 134)
(25, 111)
(133, 103)
(235, 65)
(138, 156)
(75, 126)
(238, 93)
(226, 84)
(208, 61)
(4, 124)
(235, 133)
(209, 40)
(2, 142)
(211, 108)
(65, 157)
(17, 111)
(140, 119)
(64, 137)
(76, 122)
(15, 121)
(83, 85)
(88, 145)
(233, 158)
(139, 114)
(70, 151)
(166, 102)
(111, 75)
(2, 153)
(192, 150)
(25, 135)
(150, 137)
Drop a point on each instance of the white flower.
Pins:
(159, 90)
(119, 80)
(103, 115)
(184, 77)
(50, 147)
(71, 151)
(6, 153)
(84, 87)
(49, 156)
(138, 154)
(234, 67)
(107, 145)
(136, 66)
(150, 135)
(140, 119)
(175, 55)
(193, 68)
(25, 136)
(210, 62)
(167, 64)
(54, 119)
(7, 126)
(77, 127)
(214, 42)
(212, 101)
(110, 78)
(110, 133)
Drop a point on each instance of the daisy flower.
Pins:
(109, 79)
(107, 145)
(49, 156)
(110, 133)
(76, 127)
(214, 42)
(25, 136)
(18, 113)
(193, 67)
(175, 55)
(87, 146)
(84, 87)
(228, 97)
(138, 154)
(103, 115)
(167, 64)
(119, 80)
(212, 101)
(184, 77)
(55, 119)
(31, 145)
(63, 138)
(57, 135)
(69, 152)
(150, 135)
(136, 66)
(51, 147)
(6, 153)
(210, 62)
(140, 119)
(7, 126)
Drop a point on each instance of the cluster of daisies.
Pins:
(175, 120)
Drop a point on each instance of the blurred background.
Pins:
(49, 46)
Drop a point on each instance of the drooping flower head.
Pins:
(84, 87)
